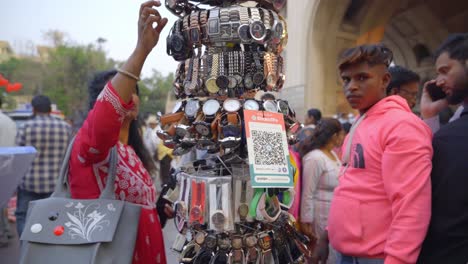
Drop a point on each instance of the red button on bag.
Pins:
(58, 230)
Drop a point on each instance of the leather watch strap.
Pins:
(232, 118)
(171, 118)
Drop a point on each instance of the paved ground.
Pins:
(10, 254)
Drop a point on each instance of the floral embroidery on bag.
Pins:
(83, 223)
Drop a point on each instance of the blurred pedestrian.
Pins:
(50, 136)
(321, 167)
(313, 116)
(447, 237)
(112, 122)
(381, 208)
(7, 139)
(404, 83)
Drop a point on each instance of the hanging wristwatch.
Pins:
(222, 81)
(176, 43)
(191, 109)
(264, 242)
(236, 256)
(210, 108)
(258, 77)
(195, 38)
(276, 29)
(224, 245)
(188, 76)
(234, 19)
(270, 70)
(243, 209)
(225, 26)
(257, 28)
(283, 107)
(213, 25)
(204, 26)
(265, 14)
(218, 219)
(244, 29)
(231, 105)
(197, 210)
(180, 207)
(248, 76)
(210, 83)
(232, 80)
(270, 106)
(251, 104)
(252, 251)
(233, 126)
(269, 207)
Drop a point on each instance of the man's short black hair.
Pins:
(315, 113)
(456, 45)
(401, 76)
(41, 104)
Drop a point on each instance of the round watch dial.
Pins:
(244, 33)
(222, 82)
(251, 105)
(248, 81)
(278, 31)
(218, 220)
(232, 82)
(283, 107)
(258, 30)
(191, 108)
(195, 213)
(270, 106)
(258, 78)
(210, 241)
(200, 238)
(211, 85)
(231, 105)
(211, 107)
(177, 107)
(238, 79)
(251, 240)
(202, 129)
(243, 211)
(177, 43)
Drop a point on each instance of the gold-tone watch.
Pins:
(210, 83)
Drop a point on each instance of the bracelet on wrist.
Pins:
(128, 74)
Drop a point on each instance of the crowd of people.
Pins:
(386, 186)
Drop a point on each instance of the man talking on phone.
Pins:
(447, 237)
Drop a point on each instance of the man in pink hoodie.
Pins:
(382, 206)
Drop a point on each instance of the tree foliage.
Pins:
(64, 75)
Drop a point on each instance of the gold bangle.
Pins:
(129, 74)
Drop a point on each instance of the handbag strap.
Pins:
(61, 186)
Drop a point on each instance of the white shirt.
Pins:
(7, 131)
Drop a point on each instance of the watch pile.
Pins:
(229, 54)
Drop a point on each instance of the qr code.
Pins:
(268, 148)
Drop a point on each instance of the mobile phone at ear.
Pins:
(435, 92)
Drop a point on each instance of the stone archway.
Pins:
(321, 29)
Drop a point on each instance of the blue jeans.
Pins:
(343, 259)
(22, 203)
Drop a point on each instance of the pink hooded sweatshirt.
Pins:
(382, 205)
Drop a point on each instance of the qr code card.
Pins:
(268, 150)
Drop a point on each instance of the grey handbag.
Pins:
(64, 230)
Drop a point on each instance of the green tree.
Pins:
(153, 92)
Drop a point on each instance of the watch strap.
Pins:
(171, 118)
(258, 193)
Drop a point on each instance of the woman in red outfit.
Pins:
(112, 122)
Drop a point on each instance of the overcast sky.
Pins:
(24, 22)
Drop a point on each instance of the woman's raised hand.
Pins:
(150, 25)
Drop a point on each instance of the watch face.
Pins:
(182, 130)
(244, 33)
(194, 35)
(218, 220)
(243, 211)
(177, 107)
(211, 107)
(225, 31)
(250, 240)
(251, 105)
(248, 81)
(257, 30)
(196, 213)
(278, 30)
(264, 241)
(211, 85)
(191, 108)
(222, 82)
(271, 81)
(238, 79)
(270, 106)
(203, 129)
(232, 82)
(200, 238)
(258, 78)
(283, 107)
(177, 43)
(236, 242)
(180, 216)
(231, 105)
(210, 241)
(213, 26)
